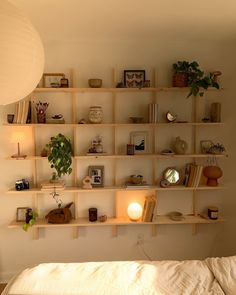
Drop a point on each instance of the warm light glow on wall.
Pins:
(134, 211)
(21, 55)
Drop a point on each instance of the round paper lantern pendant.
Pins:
(21, 55)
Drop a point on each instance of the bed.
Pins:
(190, 277)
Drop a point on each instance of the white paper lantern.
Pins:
(21, 55)
(134, 211)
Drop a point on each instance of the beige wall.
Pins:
(97, 58)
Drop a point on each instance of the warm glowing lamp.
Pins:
(18, 137)
(135, 211)
(21, 55)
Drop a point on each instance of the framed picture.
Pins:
(52, 80)
(134, 78)
(140, 141)
(205, 146)
(20, 213)
(96, 173)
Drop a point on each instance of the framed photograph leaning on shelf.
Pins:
(140, 141)
(96, 173)
(134, 78)
(20, 213)
(52, 80)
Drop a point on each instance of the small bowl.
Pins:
(136, 119)
(176, 216)
(136, 179)
(95, 83)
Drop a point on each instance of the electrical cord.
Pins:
(143, 251)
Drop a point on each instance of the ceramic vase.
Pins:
(95, 114)
(180, 146)
(212, 173)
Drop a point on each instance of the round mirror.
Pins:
(170, 117)
(172, 175)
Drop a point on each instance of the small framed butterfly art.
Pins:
(134, 78)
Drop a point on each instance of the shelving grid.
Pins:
(78, 222)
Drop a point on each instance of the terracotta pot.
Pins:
(212, 173)
(180, 80)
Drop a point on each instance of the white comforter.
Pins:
(192, 277)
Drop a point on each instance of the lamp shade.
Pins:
(134, 211)
(21, 55)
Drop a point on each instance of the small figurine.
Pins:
(87, 182)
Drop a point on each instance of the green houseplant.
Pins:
(60, 154)
(195, 77)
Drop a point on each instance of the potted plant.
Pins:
(30, 218)
(60, 154)
(193, 77)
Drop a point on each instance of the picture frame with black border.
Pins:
(96, 173)
(134, 78)
(52, 80)
(140, 141)
(20, 213)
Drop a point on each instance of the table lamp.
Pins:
(134, 211)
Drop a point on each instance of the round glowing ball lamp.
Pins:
(134, 211)
(21, 55)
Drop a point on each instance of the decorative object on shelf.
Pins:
(93, 214)
(136, 120)
(171, 117)
(41, 108)
(167, 152)
(134, 78)
(130, 149)
(215, 75)
(56, 119)
(87, 182)
(96, 173)
(30, 219)
(164, 183)
(216, 148)
(82, 121)
(18, 137)
(136, 179)
(60, 154)
(194, 76)
(205, 146)
(95, 83)
(176, 216)
(147, 83)
(96, 146)
(60, 215)
(44, 152)
(206, 120)
(20, 213)
(135, 211)
(22, 184)
(152, 112)
(95, 114)
(22, 60)
(64, 82)
(140, 141)
(102, 218)
(172, 175)
(52, 80)
(213, 212)
(10, 118)
(212, 173)
(180, 146)
(215, 112)
(120, 85)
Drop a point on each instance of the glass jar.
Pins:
(95, 114)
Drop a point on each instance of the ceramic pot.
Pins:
(180, 146)
(180, 80)
(212, 173)
(95, 114)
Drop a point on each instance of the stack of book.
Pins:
(49, 186)
(193, 175)
(153, 113)
(22, 112)
(149, 208)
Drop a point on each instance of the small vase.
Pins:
(212, 173)
(95, 114)
(41, 118)
(180, 146)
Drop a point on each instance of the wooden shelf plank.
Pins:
(113, 188)
(159, 220)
